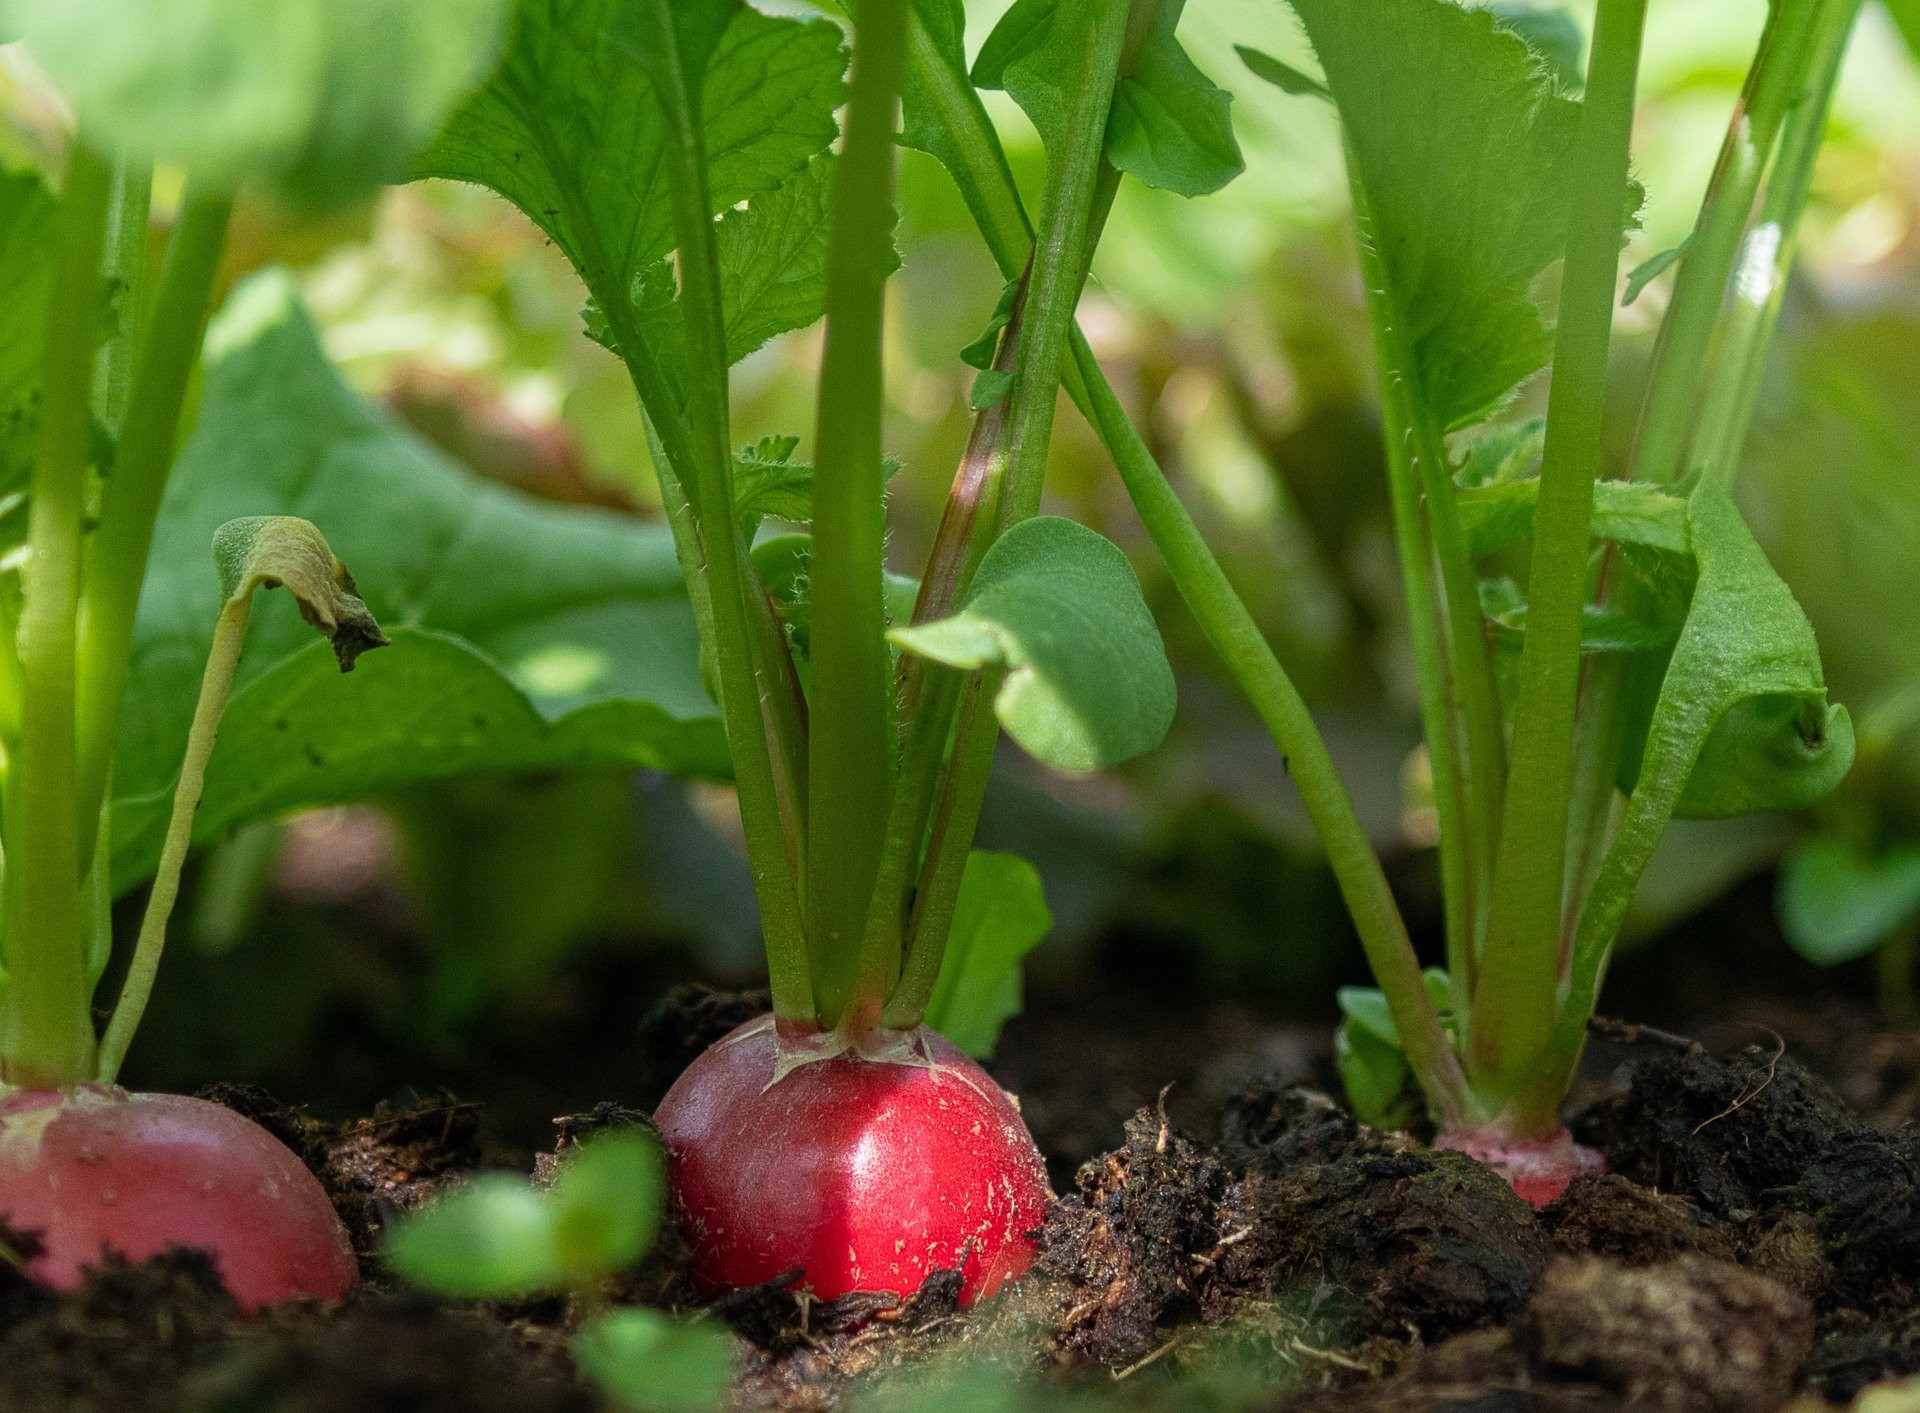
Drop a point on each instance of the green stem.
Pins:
(1203, 584)
(1806, 94)
(1766, 253)
(1059, 270)
(1513, 1002)
(116, 558)
(1773, 85)
(851, 741)
(127, 218)
(223, 658)
(46, 1029)
(754, 736)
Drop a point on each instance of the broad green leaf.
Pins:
(1367, 1052)
(525, 636)
(1836, 903)
(1462, 148)
(569, 128)
(1501, 514)
(647, 1361)
(999, 917)
(1745, 639)
(606, 1202)
(1772, 751)
(326, 98)
(1171, 125)
(1057, 607)
(490, 1239)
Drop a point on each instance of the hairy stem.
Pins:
(46, 1030)
(1519, 977)
(223, 658)
(851, 741)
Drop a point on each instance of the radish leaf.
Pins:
(1057, 607)
(1001, 915)
(1837, 903)
(1171, 126)
(644, 1360)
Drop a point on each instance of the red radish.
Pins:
(866, 1173)
(1538, 1169)
(103, 1170)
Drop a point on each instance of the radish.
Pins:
(1537, 1169)
(101, 1170)
(862, 1171)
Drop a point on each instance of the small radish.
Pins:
(863, 1171)
(1537, 1169)
(101, 1170)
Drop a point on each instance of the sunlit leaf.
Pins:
(1057, 607)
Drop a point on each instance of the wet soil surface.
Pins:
(1754, 1245)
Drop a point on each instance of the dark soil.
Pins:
(1756, 1240)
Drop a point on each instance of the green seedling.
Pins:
(497, 1237)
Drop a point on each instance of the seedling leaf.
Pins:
(606, 1203)
(1000, 916)
(490, 1239)
(1171, 125)
(1649, 270)
(284, 551)
(1837, 903)
(1057, 607)
(646, 1361)
(525, 636)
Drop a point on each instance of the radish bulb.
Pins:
(100, 1169)
(865, 1171)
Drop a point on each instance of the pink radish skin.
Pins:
(864, 1174)
(103, 1170)
(1538, 1169)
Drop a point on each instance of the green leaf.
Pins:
(1058, 607)
(1649, 270)
(1000, 916)
(286, 552)
(1836, 903)
(1744, 640)
(1366, 1051)
(1033, 53)
(327, 98)
(525, 636)
(1463, 223)
(489, 1239)
(1171, 125)
(781, 563)
(643, 1360)
(979, 354)
(569, 129)
(1280, 74)
(607, 1201)
(1500, 513)
(1553, 34)
(1604, 628)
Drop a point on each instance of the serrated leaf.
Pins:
(489, 1239)
(1057, 607)
(1550, 32)
(1172, 126)
(1837, 903)
(569, 129)
(607, 1200)
(1000, 916)
(646, 1361)
(525, 636)
(1463, 224)
(1604, 628)
(323, 98)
